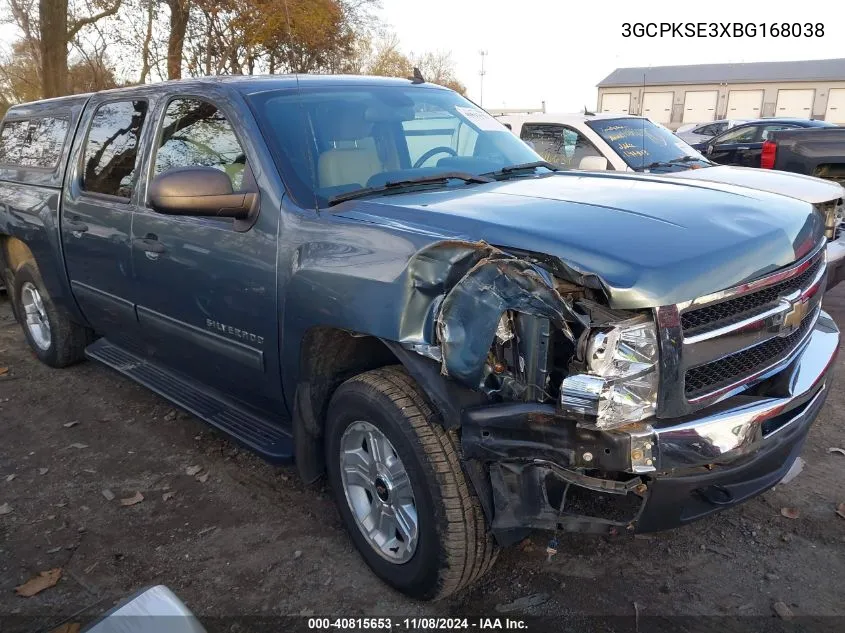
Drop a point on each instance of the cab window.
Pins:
(111, 149)
(738, 135)
(767, 131)
(558, 144)
(195, 133)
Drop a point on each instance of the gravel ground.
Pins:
(239, 537)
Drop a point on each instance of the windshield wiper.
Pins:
(506, 172)
(659, 163)
(437, 179)
(685, 159)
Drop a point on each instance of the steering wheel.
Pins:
(433, 151)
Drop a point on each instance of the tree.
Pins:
(56, 31)
(439, 68)
(180, 13)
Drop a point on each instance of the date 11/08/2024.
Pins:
(416, 624)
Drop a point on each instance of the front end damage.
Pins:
(584, 421)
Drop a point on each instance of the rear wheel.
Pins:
(397, 479)
(55, 339)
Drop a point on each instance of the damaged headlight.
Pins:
(621, 386)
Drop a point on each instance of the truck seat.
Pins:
(349, 162)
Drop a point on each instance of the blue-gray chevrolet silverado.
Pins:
(376, 279)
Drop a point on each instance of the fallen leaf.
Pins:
(840, 510)
(5, 509)
(790, 513)
(43, 471)
(39, 583)
(4, 371)
(203, 478)
(69, 425)
(131, 501)
(782, 610)
(67, 627)
(836, 449)
(10, 477)
(78, 445)
(192, 470)
(167, 496)
(108, 494)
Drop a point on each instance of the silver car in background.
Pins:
(694, 133)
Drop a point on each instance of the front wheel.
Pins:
(397, 479)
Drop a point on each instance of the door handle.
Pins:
(149, 244)
(76, 228)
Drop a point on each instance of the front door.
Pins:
(97, 213)
(207, 301)
(732, 147)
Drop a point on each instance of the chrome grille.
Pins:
(725, 313)
(718, 345)
(713, 376)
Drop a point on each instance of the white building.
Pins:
(673, 95)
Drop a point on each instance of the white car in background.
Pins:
(622, 142)
(694, 133)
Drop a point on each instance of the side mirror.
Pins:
(200, 191)
(593, 163)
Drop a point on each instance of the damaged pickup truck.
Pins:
(376, 279)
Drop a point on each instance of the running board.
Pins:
(265, 437)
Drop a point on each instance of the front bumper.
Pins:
(697, 465)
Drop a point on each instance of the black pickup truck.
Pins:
(818, 151)
(376, 279)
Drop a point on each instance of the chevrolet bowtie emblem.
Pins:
(793, 317)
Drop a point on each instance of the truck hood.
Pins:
(807, 188)
(650, 241)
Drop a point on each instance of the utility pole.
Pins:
(481, 74)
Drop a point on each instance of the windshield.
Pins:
(332, 141)
(643, 145)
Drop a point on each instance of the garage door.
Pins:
(796, 103)
(835, 112)
(657, 106)
(700, 106)
(744, 104)
(617, 103)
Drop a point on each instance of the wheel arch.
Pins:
(329, 356)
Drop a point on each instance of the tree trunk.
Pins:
(180, 10)
(148, 36)
(52, 18)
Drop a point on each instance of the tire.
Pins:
(453, 546)
(67, 340)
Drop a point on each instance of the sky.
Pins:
(558, 50)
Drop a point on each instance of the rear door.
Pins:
(732, 147)
(96, 220)
(207, 301)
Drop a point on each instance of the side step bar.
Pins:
(266, 437)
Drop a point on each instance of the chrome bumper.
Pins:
(743, 424)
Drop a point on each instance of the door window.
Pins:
(774, 128)
(111, 150)
(738, 135)
(196, 133)
(558, 144)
